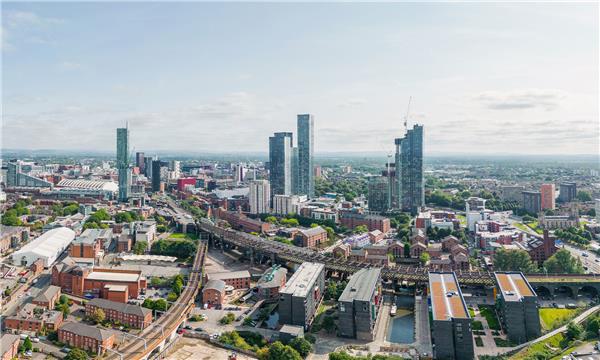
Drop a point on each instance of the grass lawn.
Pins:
(478, 341)
(183, 236)
(551, 318)
(500, 342)
(520, 226)
(489, 313)
(471, 312)
(551, 347)
(462, 219)
(534, 226)
(476, 325)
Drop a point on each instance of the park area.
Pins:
(552, 318)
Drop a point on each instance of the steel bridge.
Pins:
(411, 274)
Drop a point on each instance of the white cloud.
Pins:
(352, 102)
(547, 99)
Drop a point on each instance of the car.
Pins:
(181, 331)
(584, 254)
(199, 329)
(597, 260)
(187, 327)
(24, 336)
(28, 353)
(35, 340)
(65, 349)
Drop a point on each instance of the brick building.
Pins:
(86, 337)
(271, 282)
(9, 345)
(237, 279)
(352, 219)
(90, 243)
(32, 318)
(48, 297)
(132, 315)
(213, 293)
(311, 238)
(239, 221)
(539, 249)
(79, 281)
(11, 236)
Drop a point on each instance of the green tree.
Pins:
(160, 304)
(140, 247)
(328, 324)
(271, 219)
(406, 250)
(331, 291)
(278, 351)
(574, 331)
(583, 195)
(424, 258)
(302, 346)
(98, 315)
(562, 262)
(27, 345)
(592, 327)
(123, 217)
(177, 285)
(63, 299)
(76, 354)
(290, 222)
(360, 229)
(513, 260)
(330, 232)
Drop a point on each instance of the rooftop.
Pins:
(446, 298)
(218, 285)
(131, 257)
(303, 279)
(228, 275)
(47, 294)
(120, 307)
(272, 277)
(361, 285)
(113, 276)
(513, 286)
(86, 331)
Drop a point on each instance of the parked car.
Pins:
(198, 329)
(35, 340)
(181, 331)
(187, 327)
(65, 349)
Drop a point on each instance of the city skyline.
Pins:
(185, 95)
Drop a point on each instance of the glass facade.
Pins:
(306, 139)
(123, 163)
(410, 195)
(280, 163)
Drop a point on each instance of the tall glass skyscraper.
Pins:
(410, 194)
(306, 140)
(280, 163)
(123, 163)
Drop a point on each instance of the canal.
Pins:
(401, 327)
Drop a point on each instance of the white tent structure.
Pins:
(47, 246)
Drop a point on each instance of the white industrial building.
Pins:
(47, 246)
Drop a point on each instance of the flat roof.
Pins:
(113, 276)
(115, 287)
(228, 275)
(446, 298)
(513, 286)
(303, 279)
(361, 285)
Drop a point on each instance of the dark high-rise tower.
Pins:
(139, 161)
(123, 163)
(306, 140)
(280, 163)
(410, 194)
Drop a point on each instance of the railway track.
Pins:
(160, 329)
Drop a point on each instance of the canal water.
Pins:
(401, 326)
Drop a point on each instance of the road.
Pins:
(591, 261)
(43, 281)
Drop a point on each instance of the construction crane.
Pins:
(407, 113)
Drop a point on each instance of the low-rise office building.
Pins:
(451, 327)
(237, 279)
(302, 294)
(271, 282)
(132, 315)
(9, 344)
(311, 238)
(518, 307)
(90, 243)
(86, 337)
(359, 305)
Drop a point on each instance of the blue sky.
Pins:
(485, 78)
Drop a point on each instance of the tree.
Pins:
(313, 225)
(98, 315)
(592, 327)
(27, 345)
(406, 250)
(562, 262)
(331, 291)
(278, 351)
(583, 196)
(330, 232)
(140, 247)
(360, 229)
(574, 331)
(302, 346)
(160, 304)
(513, 260)
(290, 222)
(328, 324)
(271, 219)
(76, 354)
(177, 285)
(63, 299)
(424, 258)
(310, 338)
